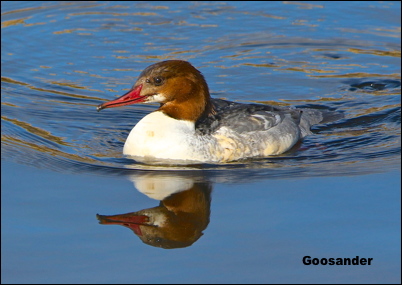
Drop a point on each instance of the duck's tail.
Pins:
(310, 117)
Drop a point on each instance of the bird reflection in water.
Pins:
(180, 218)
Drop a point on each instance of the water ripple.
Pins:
(49, 101)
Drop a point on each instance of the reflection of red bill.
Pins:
(131, 221)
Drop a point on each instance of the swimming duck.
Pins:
(191, 127)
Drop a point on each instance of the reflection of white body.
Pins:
(159, 187)
(190, 127)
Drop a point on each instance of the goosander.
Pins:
(191, 127)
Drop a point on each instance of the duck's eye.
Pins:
(158, 81)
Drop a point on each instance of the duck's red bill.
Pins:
(131, 97)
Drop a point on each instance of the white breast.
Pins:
(158, 136)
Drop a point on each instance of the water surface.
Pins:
(334, 195)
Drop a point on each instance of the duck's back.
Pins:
(246, 118)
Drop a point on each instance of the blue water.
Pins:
(336, 195)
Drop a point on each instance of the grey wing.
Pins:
(244, 118)
(252, 121)
(247, 117)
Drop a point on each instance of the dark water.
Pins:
(61, 59)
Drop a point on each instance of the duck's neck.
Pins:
(193, 106)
